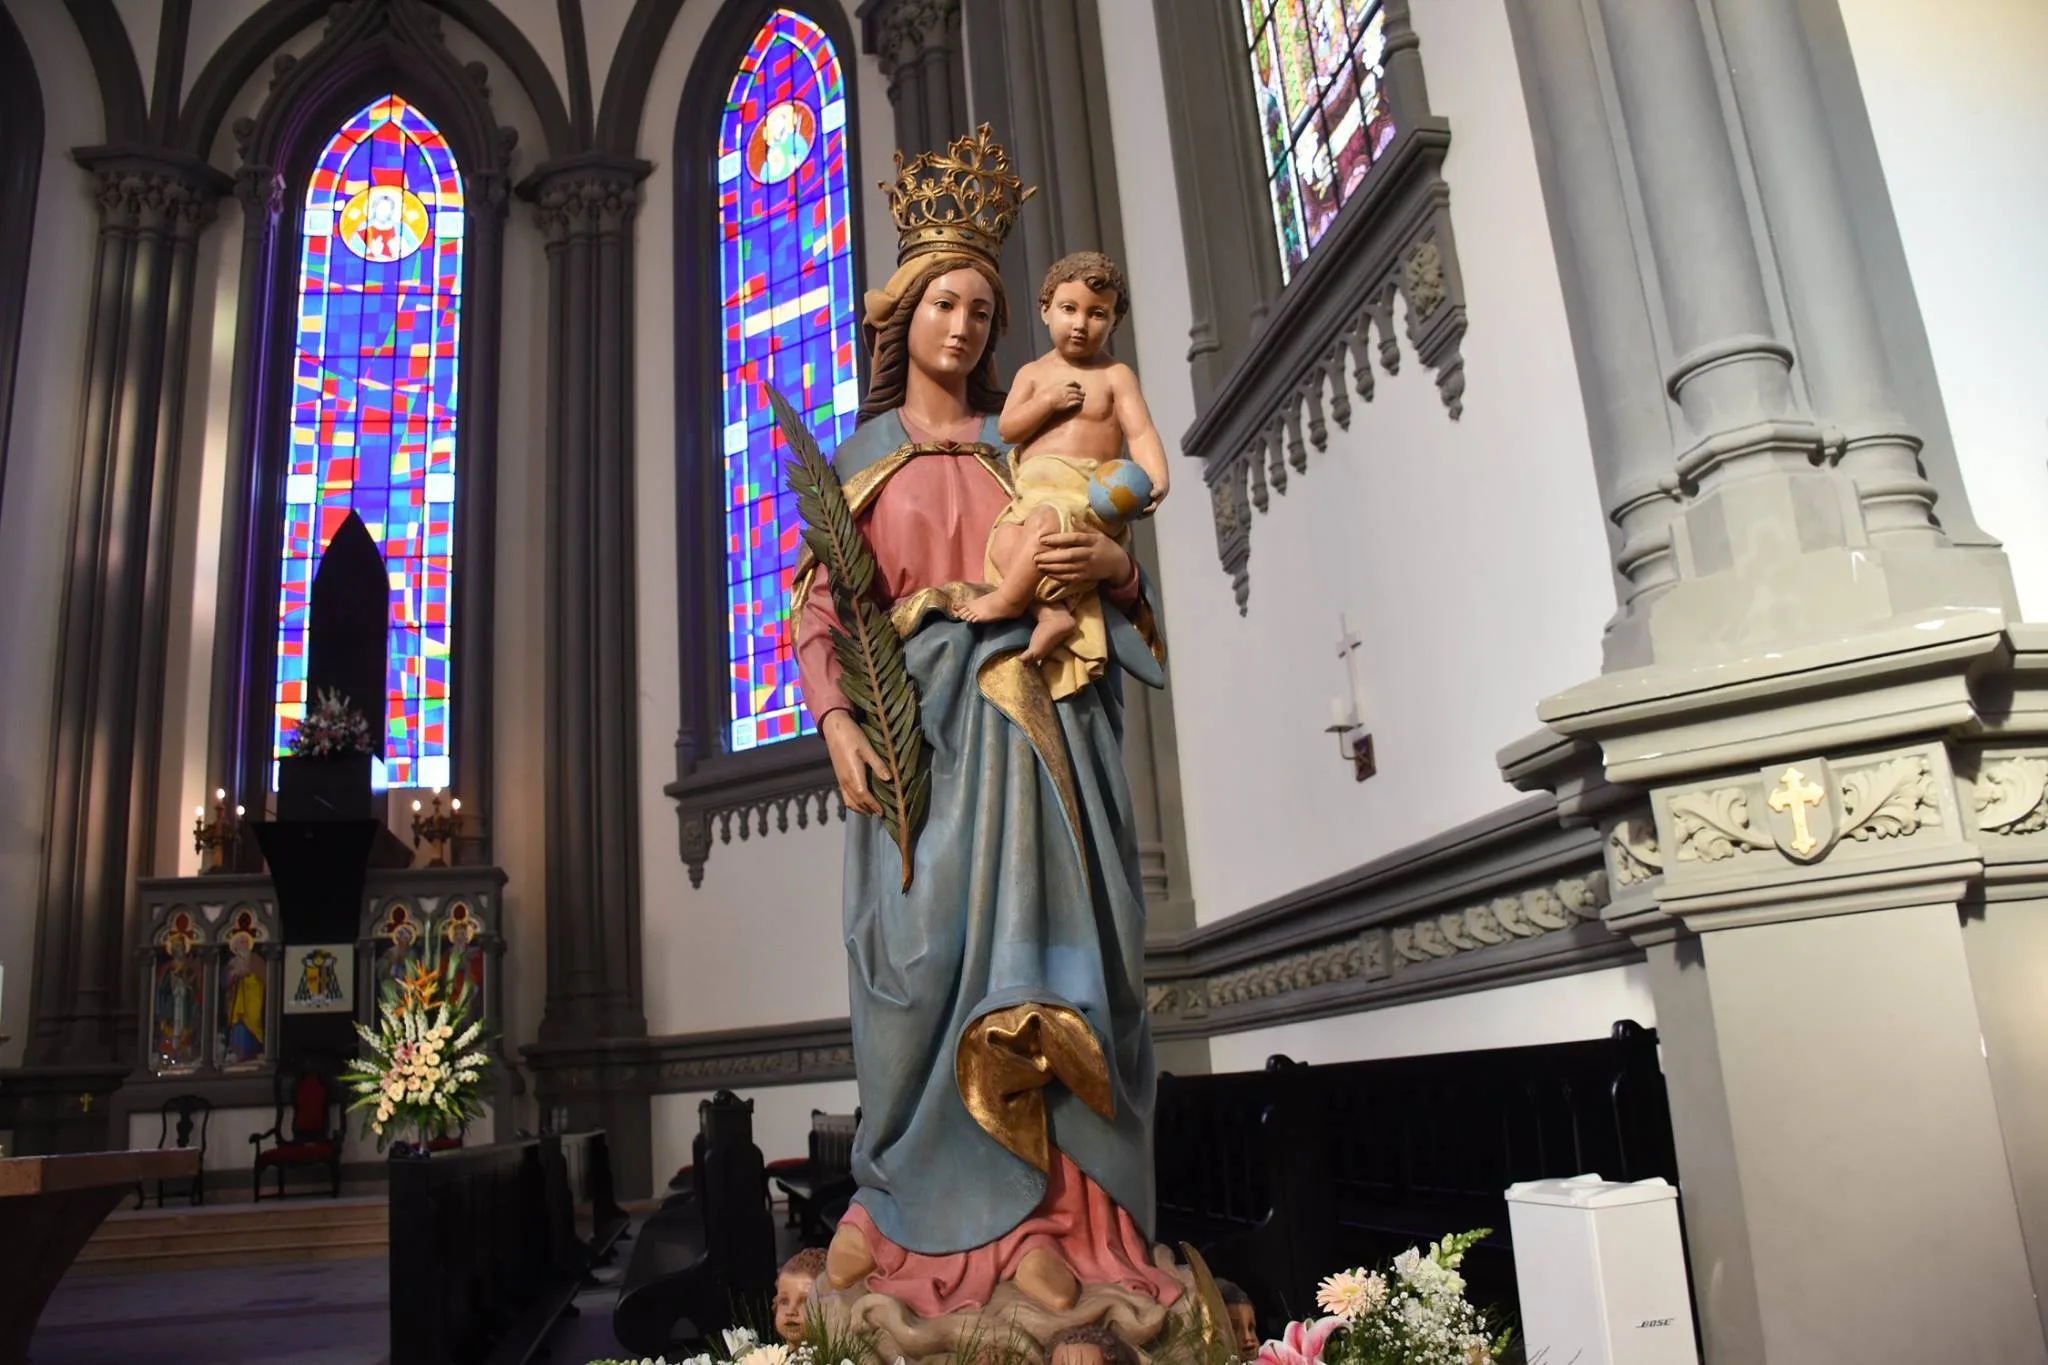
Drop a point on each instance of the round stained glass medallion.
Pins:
(384, 223)
(781, 141)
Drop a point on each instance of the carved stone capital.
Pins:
(586, 196)
(903, 32)
(153, 193)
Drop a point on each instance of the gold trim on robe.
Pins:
(1008, 1057)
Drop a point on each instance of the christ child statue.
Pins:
(1071, 413)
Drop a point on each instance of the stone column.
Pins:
(474, 736)
(110, 662)
(918, 45)
(1791, 798)
(586, 207)
(1038, 76)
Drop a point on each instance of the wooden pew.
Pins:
(1283, 1176)
(49, 1208)
(706, 1258)
(489, 1246)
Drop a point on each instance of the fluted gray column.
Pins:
(1796, 626)
(102, 794)
(1627, 417)
(1038, 74)
(917, 43)
(586, 206)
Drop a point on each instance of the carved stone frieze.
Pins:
(1376, 952)
(2011, 796)
(1714, 825)
(1800, 810)
(597, 200)
(1632, 853)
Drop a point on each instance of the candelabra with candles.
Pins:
(211, 839)
(436, 826)
(1347, 719)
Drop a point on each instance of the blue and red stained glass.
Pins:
(785, 260)
(1318, 79)
(374, 413)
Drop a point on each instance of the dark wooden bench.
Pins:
(1281, 1176)
(821, 1185)
(706, 1258)
(489, 1246)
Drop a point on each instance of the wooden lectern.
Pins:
(50, 1207)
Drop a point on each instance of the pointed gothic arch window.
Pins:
(768, 282)
(373, 421)
(787, 318)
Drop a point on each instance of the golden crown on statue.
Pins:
(964, 199)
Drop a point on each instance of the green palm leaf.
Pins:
(876, 678)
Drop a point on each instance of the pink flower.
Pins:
(1302, 1344)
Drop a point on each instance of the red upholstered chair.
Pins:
(310, 1101)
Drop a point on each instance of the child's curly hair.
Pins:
(1113, 1347)
(810, 1261)
(1093, 269)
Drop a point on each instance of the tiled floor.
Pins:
(307, 1313)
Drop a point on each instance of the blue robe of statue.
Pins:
(1025, 892)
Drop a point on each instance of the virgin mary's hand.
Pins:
(1082, 558)
(853, 758)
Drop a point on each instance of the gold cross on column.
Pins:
(1794, 793)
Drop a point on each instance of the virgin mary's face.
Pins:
(949, 330)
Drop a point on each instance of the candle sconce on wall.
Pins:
(1347, 710)
(211, 839)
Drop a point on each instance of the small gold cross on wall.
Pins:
(1794, 793)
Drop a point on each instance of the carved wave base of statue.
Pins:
(1012, 1316)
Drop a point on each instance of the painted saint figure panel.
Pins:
(787, 318)
(1318, 72)
(177, 997)
(373, 418)
(244, 994)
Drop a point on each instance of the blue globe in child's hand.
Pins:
(1119, 491)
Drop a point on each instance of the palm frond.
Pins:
(876, 678)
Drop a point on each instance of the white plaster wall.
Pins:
(228, 1151)
(142, 19)
(604, 21)
(41, 486)
(782, 1121)
(759, 942)
(1960, 110)
(541, 23)
(1469, 555)
(211, 24)
(1559, 1011)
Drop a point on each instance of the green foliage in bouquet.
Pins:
(876, 678)
(423, 1069)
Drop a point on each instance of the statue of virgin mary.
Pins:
(998, 1003)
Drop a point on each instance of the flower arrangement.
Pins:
(331, 729)
(743, 1347)
(423, 1069)
(1412, 1313)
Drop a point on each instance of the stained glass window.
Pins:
(1318, 72)
(373, 412)
(785, 262)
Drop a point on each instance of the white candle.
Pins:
(1342, 714)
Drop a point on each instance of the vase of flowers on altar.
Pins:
(423, 1068)
(1412, 1312)
(329, 772)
